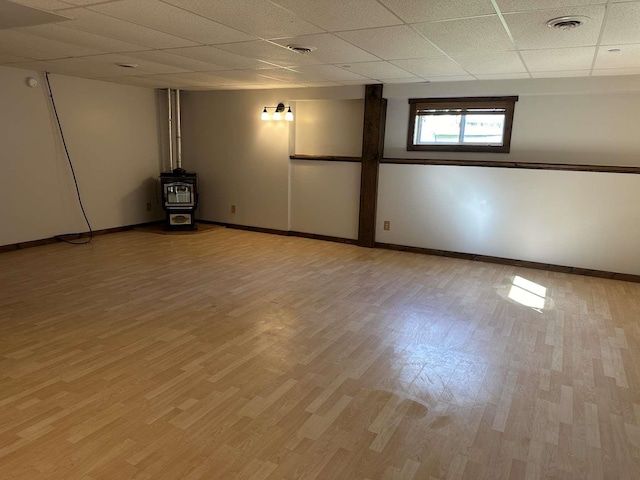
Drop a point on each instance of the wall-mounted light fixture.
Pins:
(277, 113)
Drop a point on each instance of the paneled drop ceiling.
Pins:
(239, 44)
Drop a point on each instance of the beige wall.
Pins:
(581, 219)
(244, 161)
(112, 135)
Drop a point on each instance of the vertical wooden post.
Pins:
(375, 113)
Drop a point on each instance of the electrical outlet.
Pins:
(149, 206)
(387, 225)
(233, 209)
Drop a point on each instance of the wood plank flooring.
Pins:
(238, 355)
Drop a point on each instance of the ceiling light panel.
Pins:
(257, 17)
(471, 35)
(414, 11)
(96, 23)
(336, 15)
(530, 30)
(391, 43)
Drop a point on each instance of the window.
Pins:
(479, 124)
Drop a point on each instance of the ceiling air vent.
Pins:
(567, 23)
(300, 49)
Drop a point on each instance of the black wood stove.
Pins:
(179, 198)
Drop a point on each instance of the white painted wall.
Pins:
(111, 132)
(244, 161)
(580, 219)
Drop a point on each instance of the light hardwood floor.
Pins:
(239, 355)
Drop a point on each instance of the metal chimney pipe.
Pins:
(170, 109)
(178, 132)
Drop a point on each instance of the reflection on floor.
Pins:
(239, 355)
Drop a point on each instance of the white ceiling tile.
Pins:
(561, 74)
(43, 4)
(627, 57)
(622, 24)
(414, 11)
(452, 78)
(6, 58)
(401, 80)
(530, 30)
(271, 53)
(330, 49)
(366, 81)
(193, 79)
(61, 49)
(502, 76)
(256, 17)
(379, 70)
(496, 63)
(167, 58)
(286, 75)
(250, 76)
(14, 15)
(435, 66)
(480, 34)
(78, 37)
(142, 65)
(170, 19)
(336, 15)
(331, 73)
(223, 59)
(141, 81)
(526, 5)
(84, 3)
(99, 24)
(559, 59)
(322, 84)
(616, 71)
(25, 52)
(391, 43)
(88, 69)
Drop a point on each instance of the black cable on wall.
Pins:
(73, 172)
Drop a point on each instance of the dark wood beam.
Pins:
(375, 113)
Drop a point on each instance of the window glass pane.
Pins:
(485, 129)
(438, 129)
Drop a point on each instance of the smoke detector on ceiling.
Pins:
(300, 49)
(567, 23)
